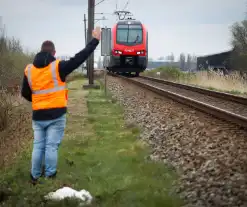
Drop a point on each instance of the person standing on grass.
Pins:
(44, 86)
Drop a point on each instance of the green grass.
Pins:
(169, 73)
(99, 154)
(234, 92)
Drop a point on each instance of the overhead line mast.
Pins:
(88, 37)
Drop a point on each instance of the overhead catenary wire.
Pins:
(96, 4)
(99, 2)
(126, 5)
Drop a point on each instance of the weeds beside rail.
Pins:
(234, 82)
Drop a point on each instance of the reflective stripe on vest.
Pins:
(54, 78)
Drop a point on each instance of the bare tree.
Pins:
(172, 57)
(188, 62)
(239, 36)
(182, 61)
(239, 44)
(194, 59)
(161, 58)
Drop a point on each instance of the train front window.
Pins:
(129, 34)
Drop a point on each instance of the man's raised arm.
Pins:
(67, 67)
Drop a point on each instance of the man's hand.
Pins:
(97, 33)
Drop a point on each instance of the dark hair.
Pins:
(48, 46)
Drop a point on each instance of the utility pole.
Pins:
(85, 29)
(90, 60)
(2, 27)
(91, 8)
(86, 41)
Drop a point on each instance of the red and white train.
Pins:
(129, 47)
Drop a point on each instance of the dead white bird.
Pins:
(67, 192)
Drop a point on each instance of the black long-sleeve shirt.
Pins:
(41, 60)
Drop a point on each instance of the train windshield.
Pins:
(129, 34)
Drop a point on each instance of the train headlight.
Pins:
(118, 52)
(140, 52)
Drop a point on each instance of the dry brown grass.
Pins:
(14, 114)
(5, 107)
(233, 82)
(16, 134)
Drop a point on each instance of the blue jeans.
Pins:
(48, 135)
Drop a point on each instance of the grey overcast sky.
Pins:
(198, 27)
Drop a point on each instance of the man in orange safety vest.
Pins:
(44, 86)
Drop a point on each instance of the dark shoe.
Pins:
(33, 180)
(52, 176)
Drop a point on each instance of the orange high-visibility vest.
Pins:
(48, 91)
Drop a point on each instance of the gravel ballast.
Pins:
(210, 155)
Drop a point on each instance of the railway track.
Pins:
(225, 106)
(222, 95)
